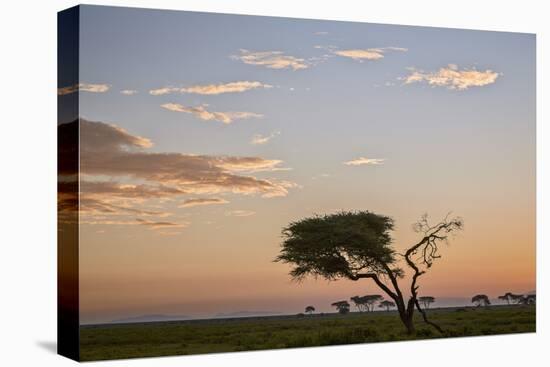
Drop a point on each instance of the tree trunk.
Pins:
(408, 322)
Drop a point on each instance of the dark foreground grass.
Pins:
(213, 336)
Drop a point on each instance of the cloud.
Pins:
(128, 92)
(93, 198)
(370, 54)
(160, 225)
(136, 191)
(366, 54)
(192, 174)
(202, 201)
(164, 90)
(259, 139)
(364, 161)
(202, 113)
(248, 164)
(110, 151)
(121, 179)
(90, 205)
(271, 60)
(103, 221)
(452, 78)
(85, 87)
(212, 89)
(239, 213)
(134, 222)
(103, 137)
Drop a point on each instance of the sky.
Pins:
(203, 135)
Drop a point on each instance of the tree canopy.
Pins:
(338, 245)
(366, 302)
(481, 300)
(342, 306)
(528, 299)
(426, 301)
(359, 303)
(505, 297)
(519, 299)
(386, 304)
(371, 299)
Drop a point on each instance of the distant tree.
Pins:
(528, 299)
(310, 309)
(358, 245)
(516, 298)
(366, 303)
(370, 301)
(481, 300)
(505, 297)
(426, 301)
(359, 303)
(342, 307)
(386, 304)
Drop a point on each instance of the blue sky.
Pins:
(339, 101)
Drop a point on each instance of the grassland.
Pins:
(213, 336)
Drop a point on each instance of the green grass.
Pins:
(214, 336)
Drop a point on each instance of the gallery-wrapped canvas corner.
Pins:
(232, 183)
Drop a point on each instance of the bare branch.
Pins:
(425, 317)
(377, 281)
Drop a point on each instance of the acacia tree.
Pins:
(529, 299)
(366, 303)
(511, 297)
(358, 245)
(370, 301)
(386, 304)
(506, 297)
(426, 301)
(310, 309)
(516, 298)
(359, 303)
(341, 306)
(481, 300)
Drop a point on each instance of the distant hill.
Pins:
(151, 318)
(247, 314)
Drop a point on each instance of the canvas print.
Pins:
(235, 183)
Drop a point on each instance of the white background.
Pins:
(28, 182)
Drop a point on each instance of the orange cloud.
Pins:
(212, 89)
(202, 113)
(239, 213)
(119, 177)
(364, 161)
(453, 78)
(367, 54)
(271, 60)
(202, 201)
(259, 139)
